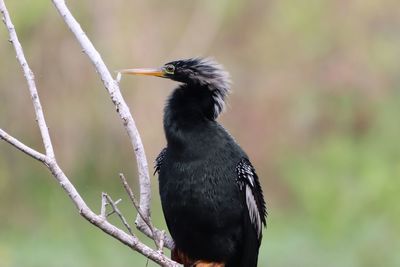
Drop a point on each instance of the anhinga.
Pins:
(210, 193)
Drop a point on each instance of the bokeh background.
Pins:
(315, 103)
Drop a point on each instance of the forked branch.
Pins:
(49, 159)
(123, 111)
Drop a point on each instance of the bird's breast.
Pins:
(200, 188)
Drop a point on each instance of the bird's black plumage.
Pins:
(210, 193)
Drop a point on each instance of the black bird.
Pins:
(210, 193)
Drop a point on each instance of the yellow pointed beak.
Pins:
(151, 72)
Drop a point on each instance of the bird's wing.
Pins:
(159, 160)
(250, 185)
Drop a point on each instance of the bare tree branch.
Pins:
(123, 110)
(102, 223)
(97, 220)
(30, 79)
(50, 161)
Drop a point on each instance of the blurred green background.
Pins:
(316, 105)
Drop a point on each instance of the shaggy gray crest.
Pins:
(206, 71)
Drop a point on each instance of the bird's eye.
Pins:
(170, 69)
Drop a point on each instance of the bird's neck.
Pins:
(189, 109)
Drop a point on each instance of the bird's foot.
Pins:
(208, 264)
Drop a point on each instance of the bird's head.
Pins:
(197, 72)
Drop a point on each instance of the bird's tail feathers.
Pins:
(251, 245)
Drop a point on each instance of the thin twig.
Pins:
(158, 236)
(118, 212)
(18, 144)
(103, 208)
(129, 191)
(113, 211)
